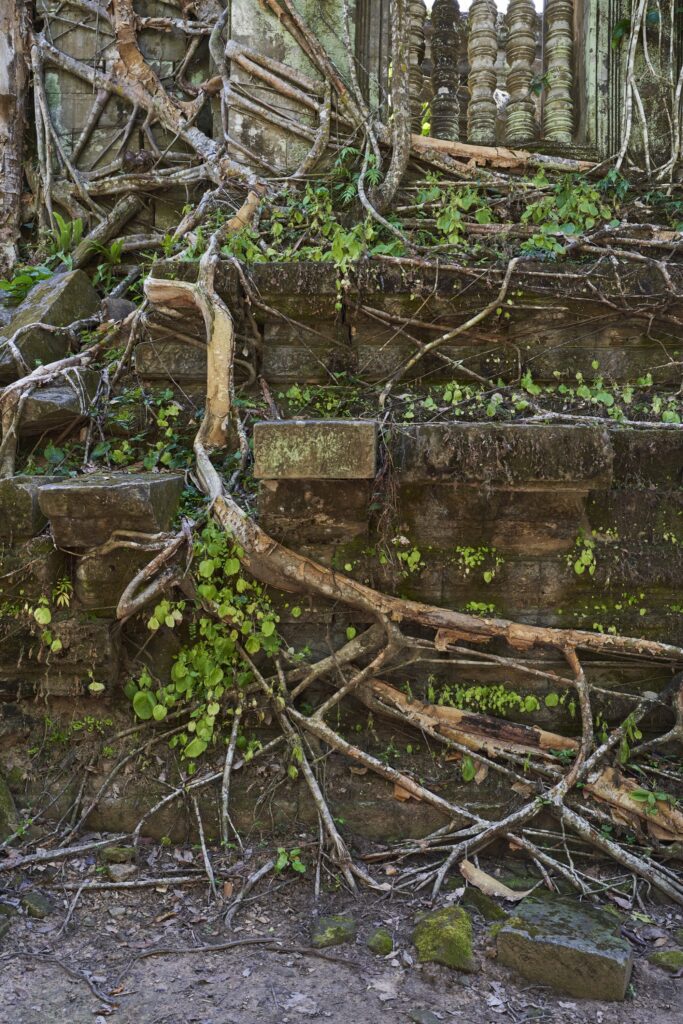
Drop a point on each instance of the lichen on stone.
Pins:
(445, 937)
(333, 931)
(381, 942)
(670, 960)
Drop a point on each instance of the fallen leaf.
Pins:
(489, 885)
(228, 889)
(358, 770)
(403, 794)
(481, 773)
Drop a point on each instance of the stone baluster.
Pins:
(520, 50)
(482, 50)
(445, 79)
(417, 13)
(558, 109)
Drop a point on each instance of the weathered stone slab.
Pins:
(101, 578)
(518, 456)
(85, 511)
(648, 458)
(569, 946)
(170, 360)
(315, 450)
(317, 512)
(58, 405)
(20, 515)
(57, 301)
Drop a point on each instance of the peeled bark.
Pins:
(13, 92)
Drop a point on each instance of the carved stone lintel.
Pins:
(558, 110)
(520, 50)
(482, 50)
(445, 78)
(417, 13)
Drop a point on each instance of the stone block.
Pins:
(315, 450)
(57, 301)
(569, 946)
(85, 511)
(20, 515)
(515, 456)
(170, 360)
(648, 458)
(59, 405)
(101, 578)
(317, 512)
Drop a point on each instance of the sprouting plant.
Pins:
(289, 859)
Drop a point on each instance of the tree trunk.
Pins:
(13, 88)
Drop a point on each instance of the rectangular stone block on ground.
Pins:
(569, 946)
(57, 301)
(85, 511)
(315, 450)
(59, 405)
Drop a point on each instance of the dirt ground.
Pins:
(98, 967)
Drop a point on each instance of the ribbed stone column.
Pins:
(417, 14)
(520, 50)
(482, 50)
(445, 81)
(558, 110)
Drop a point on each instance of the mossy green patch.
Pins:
(670, 960)
(8, 812)
(483, 904)
(445, 937)
(37, 905)
(118, 854)
(381, 942)
(333, 931)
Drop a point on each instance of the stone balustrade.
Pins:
(497, 78)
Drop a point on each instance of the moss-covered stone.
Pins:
(567, 945)
(381, 942)
(8, 812)
(118, 854)
(7, 910)
(483, 904)
(333, 931)
(679, 936)
(670, 960)
(445, 937)
(4, 928)
(37, 905)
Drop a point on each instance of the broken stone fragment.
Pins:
(121, 872)
(86, 510)
(60, 404)
(333, 931)
(571, 947)
(445, 937)
(20, 515)
(57, 301)
(315, 450)
(670, 960)
(381, 942)
(37, 905)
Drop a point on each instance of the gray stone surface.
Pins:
(170, 360)
(522, 456)
(60, 404)
(57, 301)
(315, 450)
(571, 947)
(20, 515)
(85, 511)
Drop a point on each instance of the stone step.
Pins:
(61, 404)
(86, 510)
(57, 301)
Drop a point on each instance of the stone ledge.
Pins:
(516, 456)
(315, 450)
(20, 515)
(85, 511)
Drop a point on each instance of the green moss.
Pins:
(118, 854)
(381, 942)
(37, 905)
(8, 812)
(445, 937)
(333, 931)
(483, 904)
(670, 960)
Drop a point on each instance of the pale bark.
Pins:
(13, 93)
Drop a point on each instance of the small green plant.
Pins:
(651, 798)
(289, 859)
(583, 559)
